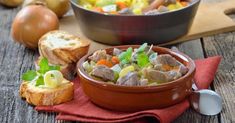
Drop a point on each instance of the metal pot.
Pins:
(135, 29)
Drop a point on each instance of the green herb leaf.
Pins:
(122, 56)
(142, 59)
(124, 61)
(40, 81)
(128, 53)
(125, 57)
(142, 48)
(56, 67)
(29, 75)
(44, 66)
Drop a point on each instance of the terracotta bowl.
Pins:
(136, 98)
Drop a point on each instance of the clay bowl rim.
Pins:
(132, 15)
(140, 89)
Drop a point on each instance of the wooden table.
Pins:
(15, 59)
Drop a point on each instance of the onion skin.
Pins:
(31, 23)
(11, 3)
(60, 7)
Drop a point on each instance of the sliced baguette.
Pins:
(39, 96)
(62, 48)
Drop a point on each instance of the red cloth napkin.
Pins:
(81, 108)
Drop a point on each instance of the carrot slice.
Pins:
(104, 62)
(121, 5)
(183, 3)
(115, 60)
(98, 9)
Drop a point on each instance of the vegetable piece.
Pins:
(90, 1)
(39, 81)
(98, 9)
(183, 3)
(29, 75)
(44, 66)
(172, 7)
(110, 8)
(104, 62)
(11, 3)
(114, 12)
(115, 60)
(121, 5)
(126, 2)
(152, 58)
(126, 70)
(142, 48)
(59, 7)
(116, 68)
(142, 59)
(53, 78)
(31, 23)
(137, 11)
(87, 66)
(116, 76)
(138, 5)
(125, 57)
(87, 4)
(102, 3)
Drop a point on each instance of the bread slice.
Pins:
(40, 96)
(62, 48)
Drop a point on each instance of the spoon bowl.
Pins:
(206, 102)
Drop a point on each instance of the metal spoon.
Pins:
(206, 102)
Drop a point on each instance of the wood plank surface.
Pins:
(15, 59)
(224, 84)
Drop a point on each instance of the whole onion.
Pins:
(11, 3)
(59, 7)
(31, 23)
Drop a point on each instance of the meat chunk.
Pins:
(131, 79)
(158, 67)
(167, 59)
(170, 2)
(173, 75)
(143, 82)
(163, 9)
(98, 55)
(116, 52)
(182, 69)
(103, 72)
(156, 76)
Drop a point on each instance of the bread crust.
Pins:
(62, 48)
(47, 96)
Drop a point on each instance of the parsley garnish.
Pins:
(43, 68)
